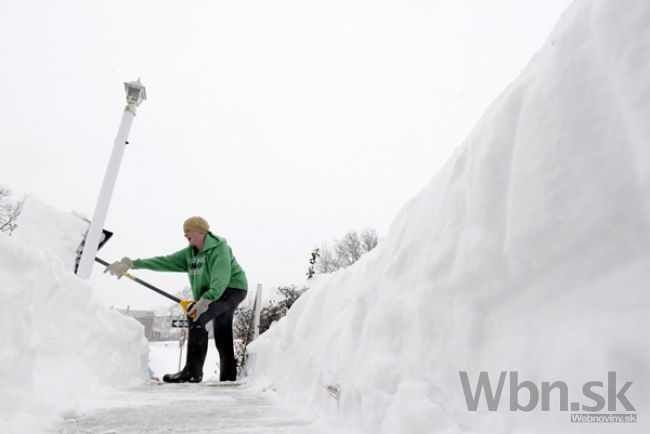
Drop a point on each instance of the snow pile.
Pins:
(528, 252)
(58, 344)
(48, 229)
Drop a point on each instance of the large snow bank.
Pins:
(58, 344)
(528, 252)
(48, 229)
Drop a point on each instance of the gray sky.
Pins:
(283, 123)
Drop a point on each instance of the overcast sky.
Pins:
(283, 123)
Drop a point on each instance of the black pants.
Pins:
(220, 312)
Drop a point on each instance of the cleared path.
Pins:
(192, 408)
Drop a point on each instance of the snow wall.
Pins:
(527, 253)
(58, 345)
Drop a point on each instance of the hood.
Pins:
(212, 241)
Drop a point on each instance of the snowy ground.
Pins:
(186, 408)
(197, 408)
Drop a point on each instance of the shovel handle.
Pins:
(143, 283)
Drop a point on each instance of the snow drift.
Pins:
(528, 252)
(58, 344)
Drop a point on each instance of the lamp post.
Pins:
(135, 94)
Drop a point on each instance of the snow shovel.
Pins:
(185, 304)
(105, 236)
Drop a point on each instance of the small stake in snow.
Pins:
(135, 94)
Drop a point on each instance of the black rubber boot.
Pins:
(197, 349)
(182, 376)
(196, 352)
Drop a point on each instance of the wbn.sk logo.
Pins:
(599, 395)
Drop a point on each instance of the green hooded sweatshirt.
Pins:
(211, 270)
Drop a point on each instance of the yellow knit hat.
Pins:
(196, 223)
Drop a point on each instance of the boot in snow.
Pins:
(197, 349)
(182, 376)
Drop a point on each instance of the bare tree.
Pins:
(327, 261)
(10, 209)
(369, 240)
(348, 250)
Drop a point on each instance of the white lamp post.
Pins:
(135, 94)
